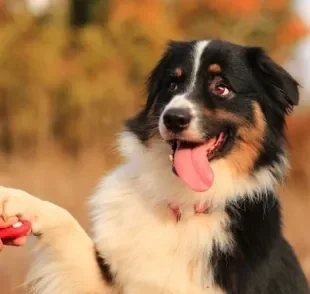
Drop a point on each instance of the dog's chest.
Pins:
(152, 253)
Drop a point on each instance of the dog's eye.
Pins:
(173, 87)
(222, 90)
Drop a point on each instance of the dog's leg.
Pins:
(65, 262)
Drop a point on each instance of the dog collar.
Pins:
(198, 208)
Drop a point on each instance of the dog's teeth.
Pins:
(17, 225)
(171, 157)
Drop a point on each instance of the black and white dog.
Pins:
(193, 209)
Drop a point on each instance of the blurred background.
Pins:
(72, 70)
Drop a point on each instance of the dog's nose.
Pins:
(177, 120)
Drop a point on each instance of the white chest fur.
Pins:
(147, 248)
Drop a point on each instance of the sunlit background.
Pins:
(72, 70)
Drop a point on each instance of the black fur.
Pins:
(261, 262)
(105, 269)
(280, 90)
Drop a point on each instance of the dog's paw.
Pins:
(42, 215)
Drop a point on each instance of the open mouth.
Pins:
(213, 146)
(191, 160)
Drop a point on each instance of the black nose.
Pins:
(177, 119)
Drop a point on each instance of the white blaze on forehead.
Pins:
(180, 100)
(199, 49)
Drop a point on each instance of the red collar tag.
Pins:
(199, 209)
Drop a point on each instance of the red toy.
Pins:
(18, 230)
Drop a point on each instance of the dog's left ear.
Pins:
(277, 83)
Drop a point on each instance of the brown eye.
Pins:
(222, 90)
(173, 87)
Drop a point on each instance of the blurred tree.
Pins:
(4, 14)
(80, 13)
(272, 24)
(76, 97)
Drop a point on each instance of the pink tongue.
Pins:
(193, 167)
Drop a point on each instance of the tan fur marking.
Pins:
(178, 72)
(215, 68)
(244, 154)
(219, 114)
(223, 115)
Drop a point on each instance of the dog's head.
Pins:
(219, 106)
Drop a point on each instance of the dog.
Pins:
(193, 208)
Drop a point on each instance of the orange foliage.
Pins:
(145, 12)
(276, 5)
(187, 6)
(291, 30)
(234, 8)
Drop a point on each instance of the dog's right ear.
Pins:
(277, 83)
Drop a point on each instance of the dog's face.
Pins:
(215, 103)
